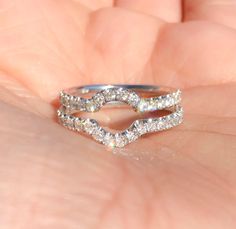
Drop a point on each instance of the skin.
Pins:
(53, 178)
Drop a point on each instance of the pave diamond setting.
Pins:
(121, 95)
(120, 139)
(72, 103)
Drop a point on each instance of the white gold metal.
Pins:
(154, 98)
(161, 97)
(120, 139)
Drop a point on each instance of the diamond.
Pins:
(121, 94)
(168, 122)
(99, 134)
(174, 120)
(90, 126)
(79, 124)
(160, 124)
(64, 99)
(79, 104)
(172, 100)
(120, 140)
(176, 97)
(59, 113)
(131, 134)
(69, 122)
(99, 99)
(167, 100)
(141, 126)
(72, 104)
(152, 104)
(109, 140)
(91, 105)
(133, 99)
(109, 94)
(62, 117)
(151, 125)
(142, 105)
(124, 95)
(160, 103)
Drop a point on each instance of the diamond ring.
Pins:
(142, 98)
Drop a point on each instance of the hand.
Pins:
(52, 178)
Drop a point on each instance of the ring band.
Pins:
(154, 98)
(161, 97)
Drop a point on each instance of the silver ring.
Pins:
(161, 97)
(142, 98)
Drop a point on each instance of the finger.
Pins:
(220, 11)
(45, 39)
(95, 4)
(153, 52)
(118, 53)
(195, 54)
(15, 94)
(168, 10)
(213, 100)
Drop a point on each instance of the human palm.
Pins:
(53, 178)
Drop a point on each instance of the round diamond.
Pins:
(120, 94)
(133, 99)
(91, 105)
(124, 94)
(177, 96)
(120, 140)
(143, 105)
(99, 134)
(131, 135)
(89, 126)
(167, 101)
(161, 124)
(80, 104)
(62, 117)
(109, 140)
(99, 99)
(64, 99)
(160, 103)
(78, 124)
(59, 113)
(172, 100)
(72, 102)
(151, 125)
(141, 126)
(69, 122)
(109, 95)
(152, 105)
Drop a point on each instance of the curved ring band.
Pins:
(142, 98)
(120, 139)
